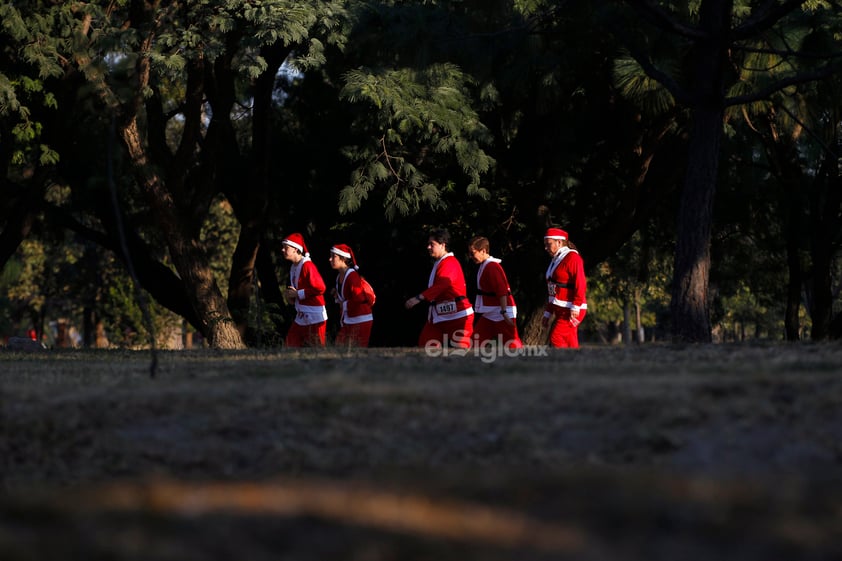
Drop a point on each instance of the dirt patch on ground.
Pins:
(606, 453)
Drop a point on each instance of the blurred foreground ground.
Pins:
(650, 453)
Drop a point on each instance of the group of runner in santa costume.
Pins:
(306, 290)
(450, 315)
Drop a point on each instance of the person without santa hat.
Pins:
(450, 316)
(566, 286)
(494, 301)
(354, 296)
(306, 290)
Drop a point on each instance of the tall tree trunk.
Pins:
(795, 280)
(242, 278)
(627, 328)
(793, 290)
(639, 331)
(690, 303)
(826, 202)
(783, 156)
(251, 205)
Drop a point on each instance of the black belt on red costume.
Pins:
(457, 299)
(484, 293)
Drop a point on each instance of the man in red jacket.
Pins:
(450, 320)
(566, 286)
(494, 299)
(351, 295)
(306, 289)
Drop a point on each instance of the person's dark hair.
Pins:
(440, 235)
(480, 243)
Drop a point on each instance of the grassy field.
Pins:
(642, 453)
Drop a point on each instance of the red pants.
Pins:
(563, 334)
(354, 334)
(306, 335)
(452, 333)
(487, 330)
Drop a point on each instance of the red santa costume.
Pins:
(566, 287)
(310, 322)
(450, 319)
(492, 287)
(357, 318)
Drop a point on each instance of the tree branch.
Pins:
(155, 277)
(663, 20)
(794, 80)
(680, 94)
(765, 17)
(789, 53)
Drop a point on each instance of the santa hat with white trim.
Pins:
(296, 241)
(345, 251)
(555, 234)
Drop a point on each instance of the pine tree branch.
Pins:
(673, 87)
(765, 17)
(794, 80)
(789, 53)
(663, 20)
(826, 148)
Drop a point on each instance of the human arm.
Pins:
(448, 283)
(579, 288)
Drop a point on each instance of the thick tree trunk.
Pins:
(825, 206)
(690, 303)
(203, 293)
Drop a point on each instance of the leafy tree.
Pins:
(715, 36)
(154, 73)
(797, 131)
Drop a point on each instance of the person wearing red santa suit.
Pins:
(306, 289)
(450, 318)
(351, 295)
(566, 286)
(494, 300)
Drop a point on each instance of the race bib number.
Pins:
(551, 288)
(446, 307)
